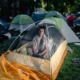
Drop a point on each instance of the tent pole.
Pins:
(49, 52)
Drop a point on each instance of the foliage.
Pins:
(15, 7)
(63, 5)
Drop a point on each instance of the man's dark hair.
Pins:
(42, 27)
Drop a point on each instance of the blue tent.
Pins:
(3, 26)
(37, 16)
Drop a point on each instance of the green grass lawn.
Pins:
(70, 70)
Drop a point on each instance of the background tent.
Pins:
(3, 26)
(78, 14)
(54, 14)
(71, 17)
(38, 15)
(20, 22)
(77, 25)
(70, 20)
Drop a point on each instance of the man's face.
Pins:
(41, 32)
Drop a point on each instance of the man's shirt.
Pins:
(39, 43)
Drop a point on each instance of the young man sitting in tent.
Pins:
(40, 44)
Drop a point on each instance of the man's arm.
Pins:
(34, 45)
(46, 49)
(44, 52)
(33, 48)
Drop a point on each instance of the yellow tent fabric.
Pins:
(16, 71)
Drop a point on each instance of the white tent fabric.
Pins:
(20, 27)
(68, 33)
(8, 34)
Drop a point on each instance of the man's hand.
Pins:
(40, 54)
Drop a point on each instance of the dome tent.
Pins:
(20, 22)
(3, 27)
(37, 16)
(54, 14)
(57, 48)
